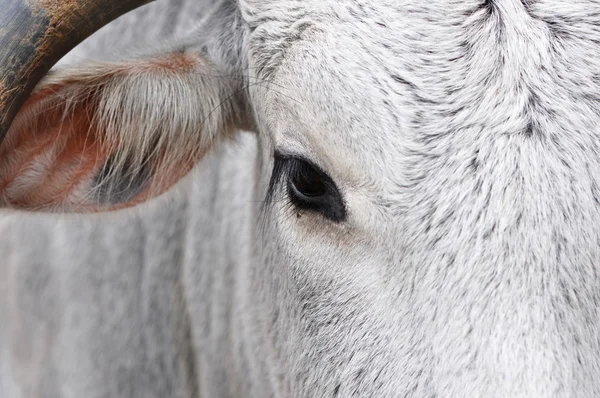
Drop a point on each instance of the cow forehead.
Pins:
(383, 80)
(338, 104)
(344, 72)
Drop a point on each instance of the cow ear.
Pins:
(108, 136)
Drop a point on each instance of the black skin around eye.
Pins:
(309, 187)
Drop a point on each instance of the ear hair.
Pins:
(151, 118)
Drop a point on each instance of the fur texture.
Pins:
(463, 137)
(114, 134)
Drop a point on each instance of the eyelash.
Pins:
(329, 204)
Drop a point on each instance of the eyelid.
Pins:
(299, 153)
(288, 155)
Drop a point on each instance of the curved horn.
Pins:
(35, 34)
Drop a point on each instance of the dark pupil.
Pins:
(308, 182)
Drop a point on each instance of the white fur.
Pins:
(463, 137)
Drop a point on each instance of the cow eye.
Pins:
(306, 184)
(310, 188)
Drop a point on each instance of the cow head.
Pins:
(428, 197)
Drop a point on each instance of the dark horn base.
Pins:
(35, 34)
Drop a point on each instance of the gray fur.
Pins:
(463, 137)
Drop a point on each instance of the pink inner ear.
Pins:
(57, 157)
(46, 165)
(51, 163)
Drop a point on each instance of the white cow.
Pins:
(416, 213)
